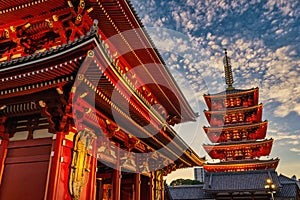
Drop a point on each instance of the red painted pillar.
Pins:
(3, 146)
(60, 162)
(3, 152)
(91, 186)
(117, 178)
(137, 186)
(62, 150)
(59, 171)
(99, 195)
(116, 184)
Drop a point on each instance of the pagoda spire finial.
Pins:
(228, 71)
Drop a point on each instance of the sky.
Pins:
(263, 42)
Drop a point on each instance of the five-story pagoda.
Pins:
(236, 129)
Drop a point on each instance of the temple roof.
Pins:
(188, 192)
(119, 20)
(125, 36)
(44, 66)
(47, 54)
(14, 11)
(59, 53)
(64, 58)
(239, 181)
(290, 188)
(285, 179)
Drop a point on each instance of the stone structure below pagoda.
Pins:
(236, 129)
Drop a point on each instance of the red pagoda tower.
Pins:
(236, 129)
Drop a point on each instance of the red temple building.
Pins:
(236, 129)
(83, 89)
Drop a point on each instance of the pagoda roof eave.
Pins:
(233, 110)
(231, 93)
(234, 127)
(244, 165)
(240, 144)
(242, 162)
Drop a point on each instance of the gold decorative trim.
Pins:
(80, 166)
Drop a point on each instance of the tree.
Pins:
(184, 182)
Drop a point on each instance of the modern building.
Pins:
(199, 174)
(78, 79)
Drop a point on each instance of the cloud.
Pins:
(297, 150)
(295, 142)
(262, 39)
(281, 137)
(285, 8)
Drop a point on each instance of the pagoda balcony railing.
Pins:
(237, 100)
(238, 150)
(234, 117)
(233, 138)
(220, 125)
(235, 110)
(232, 104)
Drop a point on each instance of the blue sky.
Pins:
(262, 38)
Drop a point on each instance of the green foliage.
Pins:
(184, 182)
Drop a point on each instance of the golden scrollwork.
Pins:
(80, 166)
